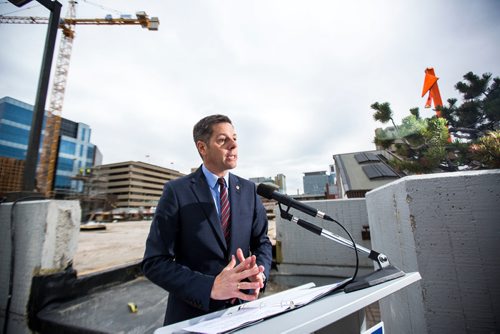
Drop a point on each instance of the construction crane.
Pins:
(48, 156)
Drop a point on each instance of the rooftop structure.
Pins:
(358, 173)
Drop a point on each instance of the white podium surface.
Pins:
(311, 317)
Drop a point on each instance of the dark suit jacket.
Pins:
(186, 247)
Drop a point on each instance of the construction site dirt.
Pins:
(119, 244)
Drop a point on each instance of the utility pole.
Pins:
(41, 95)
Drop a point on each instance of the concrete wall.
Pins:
(45, 239)
(447, 227)
(305, 253)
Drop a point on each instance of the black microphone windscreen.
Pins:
(265, 190)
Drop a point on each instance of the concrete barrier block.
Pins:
(446, 226)
(303, 251)
(45, 240)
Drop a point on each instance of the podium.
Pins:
(339, 312)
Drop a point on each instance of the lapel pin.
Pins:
(237, 187)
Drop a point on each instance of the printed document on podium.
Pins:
(258, 310)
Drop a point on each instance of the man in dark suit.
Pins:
(205, 223)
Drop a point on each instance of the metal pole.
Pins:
(41, 96)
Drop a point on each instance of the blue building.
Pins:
(318, 183)
(75, 153)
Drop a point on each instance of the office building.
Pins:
(332, 177)
(75, 151)
(315, 183)
(279, 181)
(76, 156)
(133, 184)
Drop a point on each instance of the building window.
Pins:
(67, 147)
(14, 134)
(69, 128)
(65, 164)
(12, 152)
(63, 182)
(18, 114)
(90, 153)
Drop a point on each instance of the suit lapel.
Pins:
(202, 192)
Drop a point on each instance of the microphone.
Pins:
(270, 192)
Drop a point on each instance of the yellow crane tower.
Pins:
(48, 156)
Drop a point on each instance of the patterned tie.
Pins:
(225, 210)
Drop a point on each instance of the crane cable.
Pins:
(19, 10)
(38, 5)
(103, 7)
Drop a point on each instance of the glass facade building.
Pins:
(75, 154)
(315, 183)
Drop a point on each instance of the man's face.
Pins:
(221, 152)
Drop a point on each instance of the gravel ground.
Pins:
(119, 244)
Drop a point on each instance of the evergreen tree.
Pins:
(480, 108)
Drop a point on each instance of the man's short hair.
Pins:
(204, 128)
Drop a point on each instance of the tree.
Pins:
(480, 109)
(423, 144)
(487, 150)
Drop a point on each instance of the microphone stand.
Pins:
(385, 271)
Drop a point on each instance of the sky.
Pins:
(297, 78)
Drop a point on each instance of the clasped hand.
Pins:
(232, 279)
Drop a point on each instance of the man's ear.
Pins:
(202, 147)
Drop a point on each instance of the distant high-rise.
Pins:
(76, 152)
(279, 180)
(134, 184)
(315, 183)
(332, 178)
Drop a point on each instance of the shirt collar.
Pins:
(212, 178)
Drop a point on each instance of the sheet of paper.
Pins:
(229, 321)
